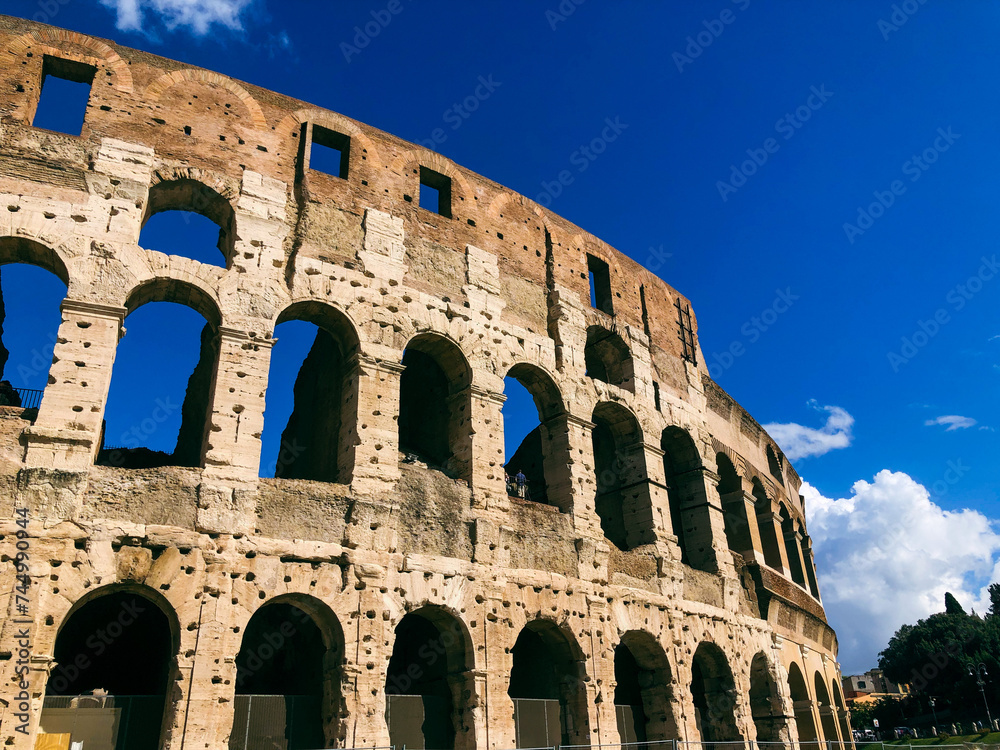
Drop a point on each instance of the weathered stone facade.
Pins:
(672, 525)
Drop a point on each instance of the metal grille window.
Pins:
(684, 330)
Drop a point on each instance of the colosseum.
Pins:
(388, 587)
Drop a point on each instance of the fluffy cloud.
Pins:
(799, 441)
(887, 554)
(196, 15)
(953, 422)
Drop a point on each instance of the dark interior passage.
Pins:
(427, 662)
(280, 674)
(628, 697)
(714, 694)
(96, 653)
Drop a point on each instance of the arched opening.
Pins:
(807, 555)
(546, 685)
(186, 217)
(714, 694)
(288, 674)
(434, 404)
(533, 400)
(734, 507)
(622, 500)
(95, 692)
(774, 465)
(311, 396)
(827, 717)
(765, 703)
(844, 716)
(428, 686)
(33, 283)
(158, 405)
(792, 548)
(608, 359)
(804, 723)
(766, 524)
(643, 695)
(686, 498)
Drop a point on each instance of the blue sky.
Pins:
(753, 139)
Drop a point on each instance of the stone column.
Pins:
(370, 728)
(741, 522)
(655, 518)
(373, 454)
(499, 639)
(769, 523)
(67, 433)
(704, 524)
(486, 423)
(793, 544)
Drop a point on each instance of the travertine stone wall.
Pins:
(499, 287)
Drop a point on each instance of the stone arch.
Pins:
(543, 454)
(322, 427)
(434, 403)
(766, 706)
(289, 676)
(608, 358)
(187, 293)
(21, 45)
(622, 499)
(827, 716)
(803, 705)
(768, 525)
(134, 623)
(734, 507)
(426, 158)
(547, 687)
(159, 86)
(430, 680)
(713, 691)
(687, 498)
(14, 249)
(650, 697)
(195, 196)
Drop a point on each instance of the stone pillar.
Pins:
(370, 728)
(499, 639)
(704, 524)
(655, 493)
(67, 433)
(793, 544)
(810, 562)
(488, 488)
(603, 722)
(769, 523)
(227, 494)
(204, 713)
(468, 693)
(741, 524)
(373, 454)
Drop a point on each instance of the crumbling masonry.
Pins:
(659, 583)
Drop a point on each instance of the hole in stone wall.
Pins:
(607, 358)
(600, 285)
(330, 152)
(157, 407)
(622, 498)
(523, 453)
(29, 324)
(435, 192)
(65, 92)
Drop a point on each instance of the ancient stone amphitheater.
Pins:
(385, 588)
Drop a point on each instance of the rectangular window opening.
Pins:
(65, 92)
(600, 285)
(656, 395)
(330, 153)
(435, 192)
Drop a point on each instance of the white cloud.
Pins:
(887, 554)
(196, 15)
(799, 441)
(952, 421)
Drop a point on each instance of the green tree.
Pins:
(951, 605)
